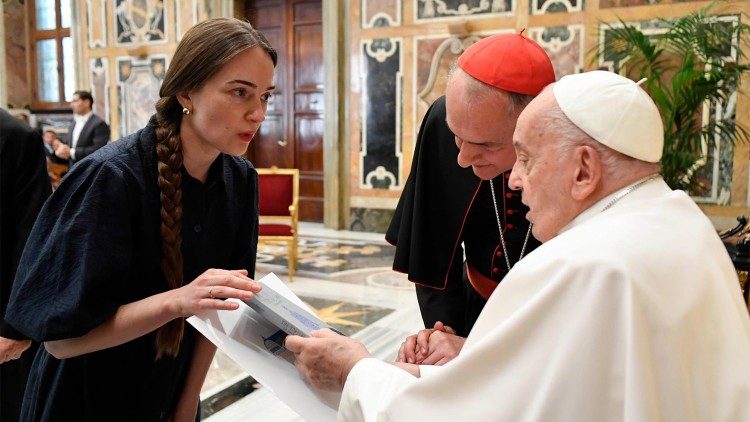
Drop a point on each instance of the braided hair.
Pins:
(204, 49)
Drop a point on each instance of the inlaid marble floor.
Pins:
(347, 278)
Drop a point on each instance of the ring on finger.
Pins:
(210, 292)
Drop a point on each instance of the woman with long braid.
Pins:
(131, 242)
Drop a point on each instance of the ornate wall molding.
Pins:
(380, 13)
(140, 22)
(564, 46)
(99, 77)
(435, 10)
(541, 7)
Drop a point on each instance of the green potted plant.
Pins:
(687, 67)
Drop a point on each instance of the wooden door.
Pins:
(292, 134)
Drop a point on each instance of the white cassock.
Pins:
(632, 314)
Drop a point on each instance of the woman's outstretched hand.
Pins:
(209, 290)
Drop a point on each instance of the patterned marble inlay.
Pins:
(139, 22)
(564, 45)
(325, 256)
(717, 168)
(99, 76)
(427, 10)
(138, 83)
(380, 150)
(540, 7)
(380, 13)
(372, 220)
(346, 317)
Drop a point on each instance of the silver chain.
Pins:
(500, 228)
(632, 187)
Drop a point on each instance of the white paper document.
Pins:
(257, 347)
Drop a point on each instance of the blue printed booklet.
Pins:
(283, 313)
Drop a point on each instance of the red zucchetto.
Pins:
(510, 62)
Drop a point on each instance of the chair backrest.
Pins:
(277, 190)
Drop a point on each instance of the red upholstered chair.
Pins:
(277, 203)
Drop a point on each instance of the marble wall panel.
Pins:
(96, 23)
(138, 82)
(186, 14)
(380, 150)
(430, 10)
(716, 172)
(719, 168)
(540, 7)
(140, 22)
(380, 13)
(211, 9)
(15, 17)
(435, 57)
(99, 77)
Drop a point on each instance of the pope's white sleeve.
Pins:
(370, 386)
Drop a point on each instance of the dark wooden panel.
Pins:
(276, 38)
(311, 185)
(276, 103)
(266, 14)
(311, 209)
(309, 12)
(267, 149)
(313, 101)
(308, 57)
(311, 196)
(309, 133)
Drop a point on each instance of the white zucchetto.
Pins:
(615, 111)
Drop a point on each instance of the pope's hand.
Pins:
(326, 358)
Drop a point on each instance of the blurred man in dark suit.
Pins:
(87, 134)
